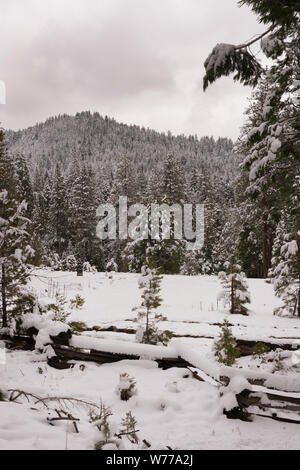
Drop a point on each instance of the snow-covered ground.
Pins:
(185, 298)
(171, 407)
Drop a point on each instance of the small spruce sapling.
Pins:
(148, 331)
(225, 347)
(129, 428)
(59, 308)
(100, 420)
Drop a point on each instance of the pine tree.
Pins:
(166, 253)
(235, 289)
(15, 250)
(283, 18)
(272, 143)
(257, 173)
(82, 215)
(58, 213)
(24, 185)
(148, 331)
(284, 271)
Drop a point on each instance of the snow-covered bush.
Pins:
(235, 289)
(112, 266)
(259, 350)
(77, 302)
(126, 387)
(77, 326)
(53, 260)
(87, 267)
(69, 263)
(225, 348)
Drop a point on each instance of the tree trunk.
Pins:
(3, 297)
(298, 265)
(265, 250)
(232, 310)
(147, 324)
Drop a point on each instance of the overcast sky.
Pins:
(139, 61)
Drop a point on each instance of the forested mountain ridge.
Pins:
(68, 165)
(102, 141)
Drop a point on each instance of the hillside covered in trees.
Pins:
(69, 165)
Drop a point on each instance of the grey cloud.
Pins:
(138, 60)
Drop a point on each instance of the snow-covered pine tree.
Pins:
(41, 203)
(169, 254)
(235, 289)
(24, 192)
(58, 213)
(148, 332)
(24, 187)
(273, 156)
(123, 184)
(283, 20)
(284, 271)
(256, 177)
(15, 249)
(82, 215)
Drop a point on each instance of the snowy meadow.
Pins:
(150, 227)
(171, 407)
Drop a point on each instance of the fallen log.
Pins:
(283, 407)
(245, 346)
(23, 342)
(104, 357)
(112, 328)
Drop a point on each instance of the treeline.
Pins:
(69, 165)
(63, 183)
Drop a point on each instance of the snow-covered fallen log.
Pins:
(224, 374)
(245, 345)
(68, 353)
(241, 400)
(271, 404)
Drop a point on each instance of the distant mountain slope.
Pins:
(102, 141)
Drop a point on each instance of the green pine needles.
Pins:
(225, 348)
